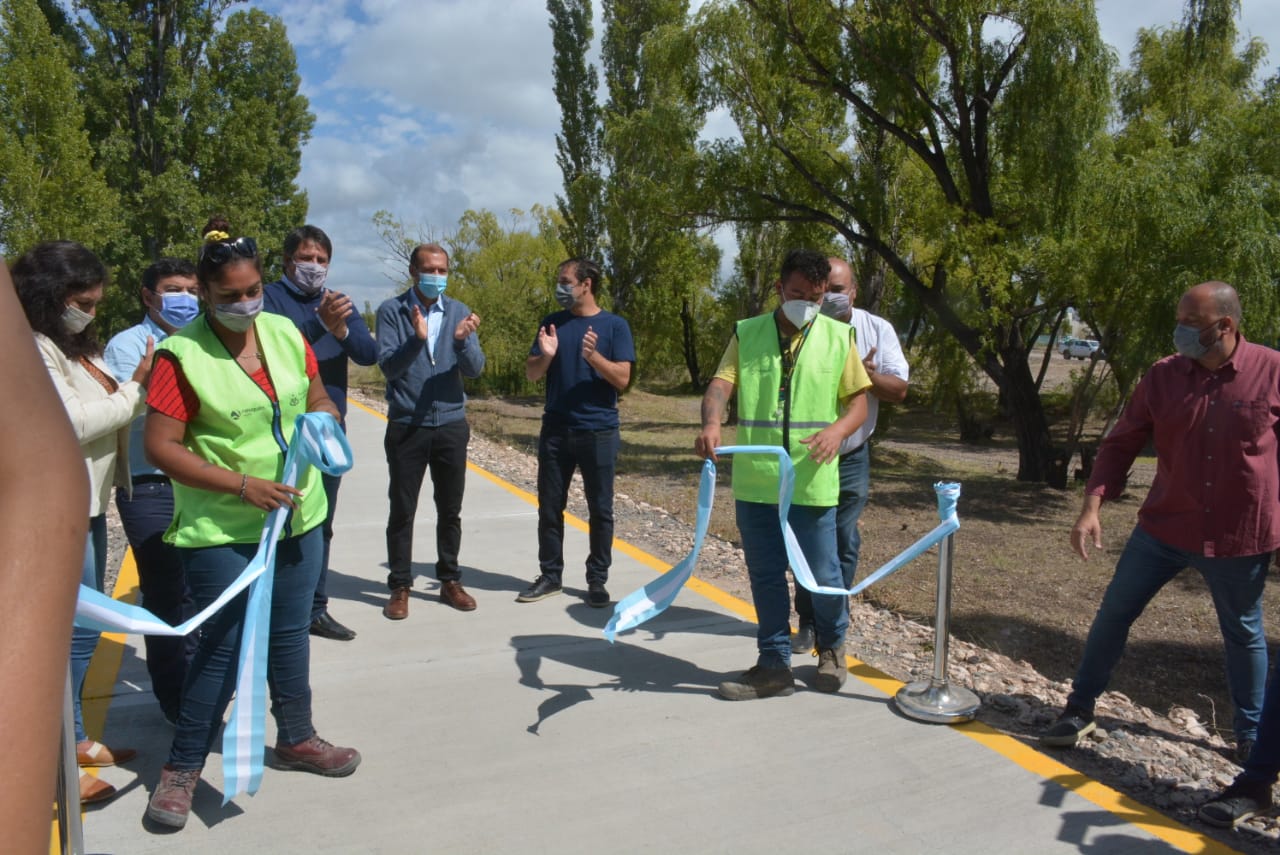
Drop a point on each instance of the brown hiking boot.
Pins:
(759, 682)
(832, 671)
(318, 756)
(171, 802)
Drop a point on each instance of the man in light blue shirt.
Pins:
(169, 296)
(427, 345)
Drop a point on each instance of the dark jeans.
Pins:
(145, 518)
(85, 641)
(595, 454)
(855, 482)
(1263, 765)
(1146, 566)
(211, 679)
(320, 602)
(411, 451)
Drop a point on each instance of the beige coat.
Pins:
(101, 420)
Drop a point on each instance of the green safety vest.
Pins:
(238, 427)
(811, 405)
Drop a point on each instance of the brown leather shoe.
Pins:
(397, 608)
(95, 754)
(452, 594)
(94, 790)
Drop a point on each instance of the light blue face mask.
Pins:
(179, 308)
(432, 285)
(1186, 340)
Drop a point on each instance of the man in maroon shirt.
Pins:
(1212, 412)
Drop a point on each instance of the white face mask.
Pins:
(75, 320)
(800, 312)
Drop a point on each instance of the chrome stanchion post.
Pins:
(70, 828)
(935, 700)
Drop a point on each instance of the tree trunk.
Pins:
(1038, 460)
(690, 343)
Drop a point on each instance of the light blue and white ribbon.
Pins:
(654, 598)
(317, 441)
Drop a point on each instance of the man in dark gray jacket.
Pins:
(426, 344)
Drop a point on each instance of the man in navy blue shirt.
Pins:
(337, 333)
(586, 354)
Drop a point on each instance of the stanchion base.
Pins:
(937, 703)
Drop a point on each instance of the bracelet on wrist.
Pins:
(244, 482)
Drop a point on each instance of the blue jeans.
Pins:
(595, 454)
(85, 641)
(211, 680)
(1146, 566)
(855, 483)
(145, 519)
(766, 556)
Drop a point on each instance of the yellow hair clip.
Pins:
(215, 236)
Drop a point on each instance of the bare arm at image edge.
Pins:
(44, 490)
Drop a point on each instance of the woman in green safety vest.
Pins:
(223, 400)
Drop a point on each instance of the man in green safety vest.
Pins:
(800, 385)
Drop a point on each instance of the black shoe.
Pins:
(326, 627)
(1237, 803)
(1072, 726)
(1244, 747)
(803, 641)
(597, 596)
(544, 586)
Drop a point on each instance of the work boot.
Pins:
(832, 671)
(171, 802)
(759, 682)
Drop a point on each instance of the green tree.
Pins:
(967, 101)
(661, 273)
(48, 186)
(1187, 189)
(190, 114)
(578, 143)
(506, 272)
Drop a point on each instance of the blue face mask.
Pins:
(432, 285)
(179, 308)
(1186, 340)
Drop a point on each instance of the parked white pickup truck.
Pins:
(1079, 348)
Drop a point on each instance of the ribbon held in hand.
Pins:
(317, 441)
(654, 598)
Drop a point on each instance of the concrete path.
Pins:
(517, 728)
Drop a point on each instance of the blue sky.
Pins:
(427, 108)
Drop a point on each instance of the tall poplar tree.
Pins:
(578, 143)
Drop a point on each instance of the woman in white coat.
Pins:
(60, 284)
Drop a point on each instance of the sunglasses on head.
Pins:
(220, 252)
